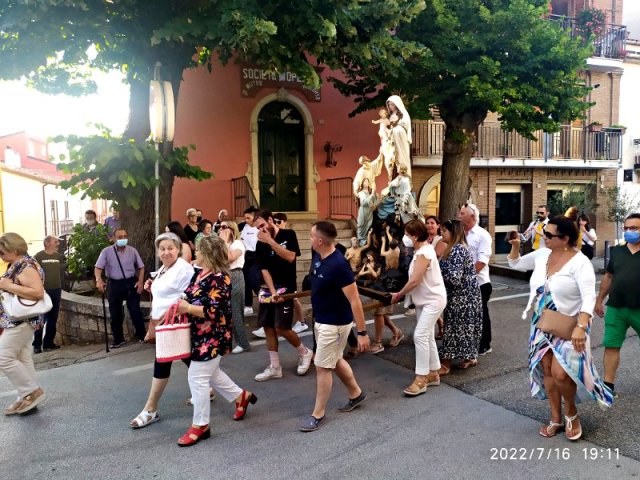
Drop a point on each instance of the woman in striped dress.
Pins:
(561, 369)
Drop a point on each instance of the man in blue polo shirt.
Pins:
(125, 279)
(335, 302)
(621, 283)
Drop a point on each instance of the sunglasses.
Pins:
(225, 227)
(541, 213)
(278, 222)
(549, 235)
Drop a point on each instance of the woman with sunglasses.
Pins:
(463, 313)
(561, 369)
(228, 231)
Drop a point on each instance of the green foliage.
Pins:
(580, 196)
(107, 167)
(479, 56)
(85, 247)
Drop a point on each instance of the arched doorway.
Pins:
(281, 157)
(429, 200)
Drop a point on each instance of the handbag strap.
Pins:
(170, 315)
(115, 249)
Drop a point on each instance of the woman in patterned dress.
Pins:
(463, 314)
(563, 280)
(24, 278)
(208, 305)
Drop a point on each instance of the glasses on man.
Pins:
(549, 235)
(277, 221)
(541, 213)
(632, 228)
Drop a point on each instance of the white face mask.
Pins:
(407, 241)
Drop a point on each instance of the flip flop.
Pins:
(396, 339)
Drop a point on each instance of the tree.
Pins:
(56, 44)
(619, 204)
(580, 196)
(481, 56)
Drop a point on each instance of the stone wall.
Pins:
(81, 320)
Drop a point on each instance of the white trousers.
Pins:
(15, 358)
(424, 338)
(201, 376)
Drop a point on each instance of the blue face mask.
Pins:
(632, 237)
(122, 242)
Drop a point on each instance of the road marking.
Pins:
(508, 297)
(139, 368)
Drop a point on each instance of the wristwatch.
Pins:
(362, 333)
(579, 325)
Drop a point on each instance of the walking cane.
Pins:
(104, 316)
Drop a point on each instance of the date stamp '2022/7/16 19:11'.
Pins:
(543, 453)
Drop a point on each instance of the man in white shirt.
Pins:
(479, 242)
(249, 236)
(535, 229)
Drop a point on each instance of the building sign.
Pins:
(253, 79)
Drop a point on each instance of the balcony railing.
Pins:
(570, 143)
(611, 43)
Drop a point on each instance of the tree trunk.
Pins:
(140, 224)
(458, 148)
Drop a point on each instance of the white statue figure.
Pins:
(400, 135)
(367, 199)
(369, 170)
(400, 190)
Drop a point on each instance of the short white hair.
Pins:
(474, 210)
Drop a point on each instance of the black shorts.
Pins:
(276, 315)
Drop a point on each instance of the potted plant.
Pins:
(595, 127)
(618, 128)
(591, 21)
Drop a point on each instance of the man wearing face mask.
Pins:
(620, 283)
(125, 280)
(535, 229)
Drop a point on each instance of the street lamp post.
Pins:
(162, 125)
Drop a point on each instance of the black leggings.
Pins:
(162, 370)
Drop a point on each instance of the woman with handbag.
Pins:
(563, 294)
(169, 283)
(208, 306)
(25, 279)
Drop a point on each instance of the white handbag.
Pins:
(17, 308)
(173, 337)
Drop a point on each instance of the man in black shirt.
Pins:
(276, 254)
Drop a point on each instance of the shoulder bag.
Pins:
(17, 308)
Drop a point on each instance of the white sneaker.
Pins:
(237, 349)
(300, 327)
(260, 333)
(248, 310)
(268, 374)
(304, 362)
(410, 311)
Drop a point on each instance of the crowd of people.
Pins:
(210, 272)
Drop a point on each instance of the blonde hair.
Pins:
(213, 251)
(14, 243)
(233, 226)
(191, 211)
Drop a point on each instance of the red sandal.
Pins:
(246, 397)
(188, 439)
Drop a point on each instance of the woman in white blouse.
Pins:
(235, 248)
(561, 369)
(167, 287)
(589, 236)
(428, 294)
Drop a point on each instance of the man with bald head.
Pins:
(479, 241)
(53, 264)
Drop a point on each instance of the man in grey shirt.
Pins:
(125, 279)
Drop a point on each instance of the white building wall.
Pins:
(630, 117)
(23, 202)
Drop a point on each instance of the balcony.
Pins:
(611, 43)
(493, 142)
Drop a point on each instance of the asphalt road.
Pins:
(480, 423)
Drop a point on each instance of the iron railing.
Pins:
(242, 196)
(611, 43)
(570, 143)
(341, 200)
